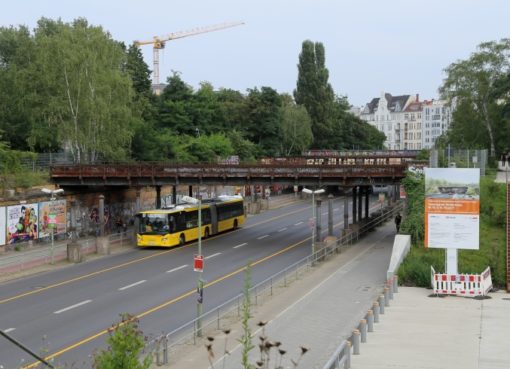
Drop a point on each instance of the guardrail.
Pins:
(211, 321)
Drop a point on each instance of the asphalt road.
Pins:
(66, 312)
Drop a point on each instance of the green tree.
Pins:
(245, 149)
(17, 49)
(296, 130)
(472, 82)
(139, 71)
(126, 343)
(263, 119)
(174, 106)
(314, 92)
(83, 94)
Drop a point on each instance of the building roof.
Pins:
(414, 107)
(395, 103)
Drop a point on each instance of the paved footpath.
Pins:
(417, 330)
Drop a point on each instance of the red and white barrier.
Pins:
(469, 285)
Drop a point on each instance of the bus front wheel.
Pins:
(206, 235)
(235, 224)
(182, 240)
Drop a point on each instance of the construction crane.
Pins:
(158, 42)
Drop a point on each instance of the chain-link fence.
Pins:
(459, 158)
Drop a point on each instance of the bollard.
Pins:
(395, 283)
(376, 312)
(390, 289)
(355, 342)
(347, 355)
(386, 296)
(363, 330)
(370, 320)
(381, 304)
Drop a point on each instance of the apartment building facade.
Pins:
(386, 113)
(407, 122)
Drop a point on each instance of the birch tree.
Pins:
(86, 93)
(472, 82)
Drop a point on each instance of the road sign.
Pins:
(198, 263)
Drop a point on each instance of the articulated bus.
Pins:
(179, 224)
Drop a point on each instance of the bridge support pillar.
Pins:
(318, 224)
(367, 201)
(138, 202)
(158, 197)
(360, 204)
(354, 206)
(101, 215)
(330, 215)
(190, 191)
(174, 195)
(346, 212)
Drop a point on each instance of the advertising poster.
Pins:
(52, 214)
(452, 208)
(3, 225)
(22, 223)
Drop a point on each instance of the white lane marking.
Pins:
(72, 307)
(178, 268)
(241, 245)
(261, 237)
(8, 330)
(337, 209)
(283, 229)
(213, 255)
(298, 223)
(132, 285)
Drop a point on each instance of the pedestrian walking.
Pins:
(398, 220)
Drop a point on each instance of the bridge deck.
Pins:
(150, 174)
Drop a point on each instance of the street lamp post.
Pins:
(52, 194)
(316, 192)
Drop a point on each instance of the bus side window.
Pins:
(171, 223)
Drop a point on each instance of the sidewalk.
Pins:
(419, 331)
(416, 330)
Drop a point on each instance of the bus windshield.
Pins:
(154, 224)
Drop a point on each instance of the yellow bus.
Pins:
(179, 224)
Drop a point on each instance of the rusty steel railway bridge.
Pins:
(354, 172)
(385, 168)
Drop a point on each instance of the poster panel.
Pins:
(52, 213)
(22, 223)
(452, 208)
(3, 225)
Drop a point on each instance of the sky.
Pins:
(395, 46)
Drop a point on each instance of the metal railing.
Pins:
(211, 321)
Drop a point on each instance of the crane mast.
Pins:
(158, 42)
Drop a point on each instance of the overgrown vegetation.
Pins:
(125, 345)
(415, 270)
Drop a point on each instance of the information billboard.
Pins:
(452, 208)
